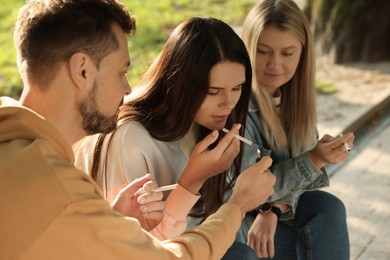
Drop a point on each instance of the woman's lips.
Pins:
(220, 118)
(272, 75)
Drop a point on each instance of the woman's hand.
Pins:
(261, 234)
(330, 149)
(205, 163)
(138, 201)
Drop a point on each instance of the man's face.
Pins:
(100, 108)
(93, 121)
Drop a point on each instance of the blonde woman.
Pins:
(298, 221)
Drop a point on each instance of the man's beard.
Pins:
(93, 121)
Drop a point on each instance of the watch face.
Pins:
(266, 207)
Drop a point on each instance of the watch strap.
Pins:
(268, 207)
(277, 211)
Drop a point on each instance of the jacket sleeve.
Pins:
(293, 175)
(51, 210)
(71, 220)
(89, 229)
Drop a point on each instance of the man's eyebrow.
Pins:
(215, 87)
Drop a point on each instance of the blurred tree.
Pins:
(351, 30)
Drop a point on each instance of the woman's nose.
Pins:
(273, 61)
(228, 101)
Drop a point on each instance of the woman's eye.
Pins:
(213, 92)
(262, 51)
(238, 88)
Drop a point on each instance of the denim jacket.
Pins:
(293, 175)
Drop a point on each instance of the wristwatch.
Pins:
(268, 207)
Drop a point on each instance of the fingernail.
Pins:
(144, 208)
(238, 126)
(214, 133)
(141, 200)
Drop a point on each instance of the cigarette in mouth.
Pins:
(164, 188)
(345, 144)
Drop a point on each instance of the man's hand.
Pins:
(138, 201)
(253, 186)
(205, 163)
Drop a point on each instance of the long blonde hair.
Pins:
(292, 127)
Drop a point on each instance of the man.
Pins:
(72, 55)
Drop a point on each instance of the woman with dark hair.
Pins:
(198, 84)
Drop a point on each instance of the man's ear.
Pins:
(78, 67)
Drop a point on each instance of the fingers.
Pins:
(151, 205)
(134, 186)
(252, 243)
(149, 197)
(263, 164)
(153, 210)
(207, 141)
(332, 150)
(348, 144)
(255, 244)
(263, 248)
(327, 138)
(341, 147)
(149, 186)
(254, 185)
(271, 248)
(229, 141)
(342, 139)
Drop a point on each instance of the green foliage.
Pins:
(155, 21)
(10, 83)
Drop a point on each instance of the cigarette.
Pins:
(164, 188)
(239, 137)
(345, 144)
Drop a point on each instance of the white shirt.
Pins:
(133, 152)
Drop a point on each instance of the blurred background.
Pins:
(155, 21)
(345, 30)
(352, 40)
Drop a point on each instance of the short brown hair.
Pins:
(49, 32)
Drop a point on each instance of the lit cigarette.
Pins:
(164, 188)
(239, 137)
(345, 144)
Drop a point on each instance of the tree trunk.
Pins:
(351, 30)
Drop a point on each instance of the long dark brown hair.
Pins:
(173, 88)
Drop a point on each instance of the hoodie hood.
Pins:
(18, 122)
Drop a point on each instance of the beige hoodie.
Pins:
(51, 210)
